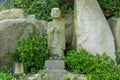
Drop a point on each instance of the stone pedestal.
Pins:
(55, 64)
(56, 71)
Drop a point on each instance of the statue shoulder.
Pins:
(49, 27)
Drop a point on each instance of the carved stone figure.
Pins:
(56, 34)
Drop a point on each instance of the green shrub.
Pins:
(95, 67)
(8, 5)
(67, 78)
(41, 8)
(6, 76)
(32, 52)
(110, 7)
(6, 73)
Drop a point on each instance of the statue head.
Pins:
(56, 13)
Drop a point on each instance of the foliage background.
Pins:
(96, 67)
(110, 7)
(41, 8)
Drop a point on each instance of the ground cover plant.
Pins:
(6, 73)
(95, 67)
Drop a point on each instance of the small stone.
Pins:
(30, 78)
(74, 77)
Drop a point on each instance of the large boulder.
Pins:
(92, 30)
(69, 27)
(11, 14)
(14, 30)
(115, 26)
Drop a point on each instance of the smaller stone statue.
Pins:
(56, 34)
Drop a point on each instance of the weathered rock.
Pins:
(115, 26)
(11, 14)
(12, 31)
(92, 29)
(69, 27)
(55, 70)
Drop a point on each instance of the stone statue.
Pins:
(56, 34)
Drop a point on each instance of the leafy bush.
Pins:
(110, 7)
(41, 8)
(95, 67)
(6, 73)
(8, 4)
(32, 52)
(6, 76)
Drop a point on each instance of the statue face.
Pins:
(55, 13)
